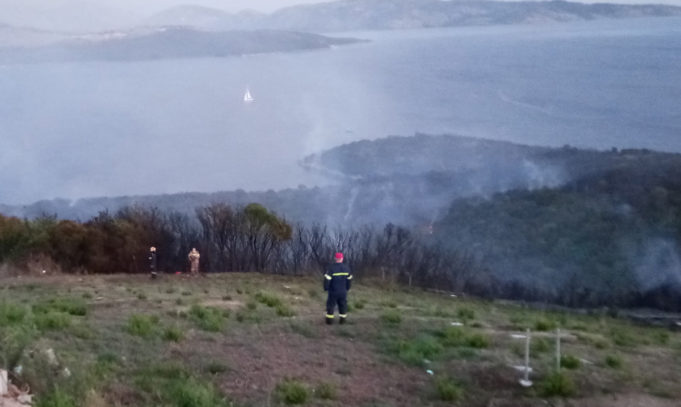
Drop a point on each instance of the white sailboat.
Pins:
(248, 98)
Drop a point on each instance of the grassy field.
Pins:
(260, 340)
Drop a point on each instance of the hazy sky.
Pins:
(18, 11)
(95, 15)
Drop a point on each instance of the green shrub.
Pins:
(82, 331)
(302, 328)
(539, 345)
(173, 334)
(477, 341)
(557, 384)
(360, 304)
(11, 314)
(465, 314)
(415, 351)
(251, 305)
(325, 391)
(543, 325)
(268, 299)
(621, 337)
(447, 389)
(661, 337)
(570, 362)
(284, 311)
(613, 361)
(291, 392)
(56, 398)
(208, 319)
(216, 368)
(190, 392)
(141, 325)
(391, 317)
(52, 321)
(141, 296)
(454, 336)
(70, 306)
(105, 365)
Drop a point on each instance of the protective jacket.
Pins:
(338, 280)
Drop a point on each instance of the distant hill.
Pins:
(205, 18)
(350, 15)
(168, 42)
(404, 180)
(11, 36)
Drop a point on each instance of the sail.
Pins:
(248, 97)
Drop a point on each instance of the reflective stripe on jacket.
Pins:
(337, 279)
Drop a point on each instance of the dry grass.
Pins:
(231, 340)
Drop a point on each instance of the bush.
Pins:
(466, 314)
(415, 351)
(448, 390)
(216, 368)
(539, 345)
(56, 398)
(141, 325)
(268, 299)
(454, 336)
(557, 384)
(360, 304)
(52, 321)
(570, 362)
(173, 334)
(70, 306)
(613, 361)
(11, 314)
(477, 341)
(391, 317)
(284, 311)
(291, 392)
(190, 392)
(325, 391)
(543, 325)
(621, 337)
(208, 319)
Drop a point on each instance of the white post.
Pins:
(3, 382)
(527, 355)
(557, 349)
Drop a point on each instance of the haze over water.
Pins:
(121, 128)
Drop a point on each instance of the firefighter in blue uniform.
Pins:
(337, 281)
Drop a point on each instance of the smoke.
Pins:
(658, 264)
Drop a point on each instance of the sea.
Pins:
(88, 129)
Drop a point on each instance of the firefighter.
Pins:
(152, 262)
(194, 257)
(337, 281)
